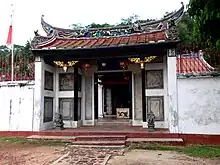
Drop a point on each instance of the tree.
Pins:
(94, 25)
(185, 29)
(206, 15)
(128, 21)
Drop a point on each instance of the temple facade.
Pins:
(121, 74)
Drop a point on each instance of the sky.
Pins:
(62, 13)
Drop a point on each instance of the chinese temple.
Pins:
(120, 74)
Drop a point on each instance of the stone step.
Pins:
(52, 138)
(159, 141)
(118, 123)
(101, 138)
(99, 146)
(99, 143)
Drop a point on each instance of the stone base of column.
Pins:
(137, 123)
(88, 122)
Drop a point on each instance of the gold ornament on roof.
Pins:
(141, 62)
(65, 65)
(145, 60)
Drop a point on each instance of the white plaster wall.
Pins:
(17, 106)
(199, 105)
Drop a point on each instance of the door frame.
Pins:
(95, 87)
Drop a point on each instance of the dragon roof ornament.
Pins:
(167, 23)
(115, 30)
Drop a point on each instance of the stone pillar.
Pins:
(38, 94)
(137, 95)
(89, 116)
(96, 96)
(172, 91)
(109, 101)
(100, 101)
(76, 85)
(144, 112)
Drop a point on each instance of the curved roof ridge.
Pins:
(103, 37)
(49, 29)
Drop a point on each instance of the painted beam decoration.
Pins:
(163, 29)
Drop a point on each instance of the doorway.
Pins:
(114, 96)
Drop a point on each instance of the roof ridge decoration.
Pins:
(165, 24)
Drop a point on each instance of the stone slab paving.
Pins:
(88, 156)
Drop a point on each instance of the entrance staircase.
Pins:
(113, 122)
(109, 140)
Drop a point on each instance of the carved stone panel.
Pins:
(66, 108)
(48, 81)
(156, 105)
(48, 109)
(154, 79)
(66, 81)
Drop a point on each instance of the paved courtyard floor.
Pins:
(19, 154)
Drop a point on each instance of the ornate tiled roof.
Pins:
(133, 39)
(137, 33)
(193, 64)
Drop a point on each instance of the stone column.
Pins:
(109, 101)
(143, 73)
(89, 118)
(172, 91)
(100, 101)
(75, 117)
(38, 94)
(96, 96)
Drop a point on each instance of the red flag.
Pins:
(9, 39)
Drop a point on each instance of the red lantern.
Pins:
(86, 66)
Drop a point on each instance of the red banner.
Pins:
(9, 39)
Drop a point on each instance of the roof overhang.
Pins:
(106, 52)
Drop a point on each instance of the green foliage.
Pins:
(206, 14)
(4, 50)
(128, 21)
(19, 50)
(218, 44)
(21, 140)
(185, 28)
(203, 151)
(94, 25)
(192, 150)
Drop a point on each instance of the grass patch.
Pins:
(22, 140)
(203, 151)
(192, 150)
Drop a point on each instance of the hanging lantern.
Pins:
(65, 65)
(86, 66)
